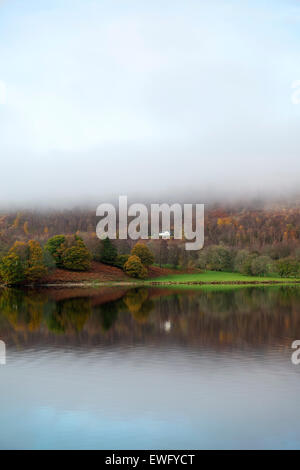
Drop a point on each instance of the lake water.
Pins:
(150, 368)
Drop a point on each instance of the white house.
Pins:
(164, 234)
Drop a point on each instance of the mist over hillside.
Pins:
(190, 101)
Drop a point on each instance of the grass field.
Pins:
(222, 277)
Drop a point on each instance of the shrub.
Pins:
(134, 267)
(142, 251)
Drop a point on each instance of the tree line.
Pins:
(236, 226)
(248, 241)
(29, 262)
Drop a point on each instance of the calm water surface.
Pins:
(158, 368)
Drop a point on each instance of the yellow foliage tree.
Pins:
(25, 228)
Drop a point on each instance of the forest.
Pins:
(250, 241)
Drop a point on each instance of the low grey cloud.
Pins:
(183, 98)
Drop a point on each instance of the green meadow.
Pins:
(211, 277)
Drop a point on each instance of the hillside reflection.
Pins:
(226, 318)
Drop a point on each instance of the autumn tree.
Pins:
(54, 246)
(16, 222)
(35, 268)
(76, 257)
(69, 252)
(20, 249)
(11, 269)
(134, 267)
(142, 251)
(25, 228)
(29, 262)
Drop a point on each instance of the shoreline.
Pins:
(95, 284)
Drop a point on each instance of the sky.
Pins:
(148, 99)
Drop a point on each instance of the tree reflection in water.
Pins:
(235, 317)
